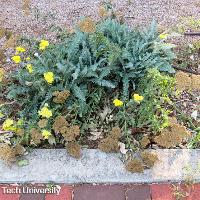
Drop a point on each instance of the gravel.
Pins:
(68, 12)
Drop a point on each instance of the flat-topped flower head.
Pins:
(46, 134)
(49, 77)
(118, 103)
(163, 36)
(137, 98)
(28, 58)
(20, 49)
(45, 112)
(8, 125)
(29, 67)
(43, 44)
(16, 59)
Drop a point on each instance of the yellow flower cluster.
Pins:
(163, 36)
(16, 59)
(43, 44)
(20, 50)
(118, 103)
(8, 125)
(28, 59)
(29, 67)
(45, 112)
(137, 98)
(46, 134)
(49, 77)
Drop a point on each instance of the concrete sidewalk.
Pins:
(55, 165)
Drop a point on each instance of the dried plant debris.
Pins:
(135, 166)
(43, 123)
(172, 136)
(95, 134)
(60, 97)
(2, 56)
(2, 32)
(172, 120)
(116, 133)
(186, 82)
(145, 141)
(87, 25)
(109, 145)
(195, 82)
(2, 74)
(9, 153)
(5, 33)
(103, 12)
(149, 158)
(6, 153)
(11, 42)
(36, 136)
(26, 7)
(74, 149)
(70, 133)
(19, 150)
(59, 123)
(20, 132)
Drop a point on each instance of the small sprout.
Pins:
(22, 162)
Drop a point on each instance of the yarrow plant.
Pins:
(90, 79)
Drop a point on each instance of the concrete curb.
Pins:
(55, 165)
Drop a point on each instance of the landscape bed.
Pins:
(101, 85)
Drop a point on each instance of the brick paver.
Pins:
(32, 197)
(4, 193)
(162, 192)
(29, 192)
(106, 192)
(65, 194)
(138, 192)
(195, 193)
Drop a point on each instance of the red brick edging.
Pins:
(104, 192)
